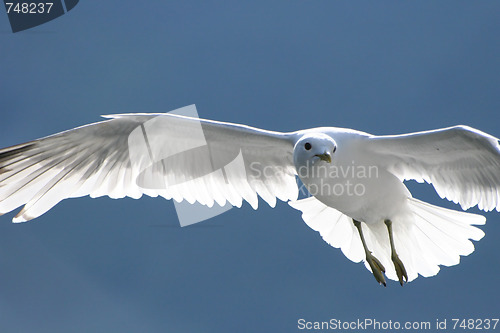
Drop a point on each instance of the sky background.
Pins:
(103, 265)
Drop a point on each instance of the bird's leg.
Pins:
(377, 268)
(398, 264)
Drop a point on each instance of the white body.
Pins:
(354, 185)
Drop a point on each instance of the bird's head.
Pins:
(314, 148)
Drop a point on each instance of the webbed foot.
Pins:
(378, 269)
(400, 269)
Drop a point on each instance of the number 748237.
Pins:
(475, 324)
(29, 8)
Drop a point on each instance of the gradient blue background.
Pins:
(102, 265)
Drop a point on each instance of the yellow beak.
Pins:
(325, 157)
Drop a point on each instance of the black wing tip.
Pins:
(6, 153)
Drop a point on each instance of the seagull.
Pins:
(357, 199)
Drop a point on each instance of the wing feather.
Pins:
(462, 163)
(177, 157)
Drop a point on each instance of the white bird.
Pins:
(358, 200)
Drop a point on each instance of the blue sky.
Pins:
(101, 265)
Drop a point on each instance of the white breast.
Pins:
(362, 191)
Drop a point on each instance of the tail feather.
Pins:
(425, 238)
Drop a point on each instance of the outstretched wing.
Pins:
(154, 154)
(462, 163)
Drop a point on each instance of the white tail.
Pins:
(427, 237)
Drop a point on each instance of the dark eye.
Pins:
(334, 149)
(307, 146)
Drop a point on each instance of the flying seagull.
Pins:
(358, 201)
